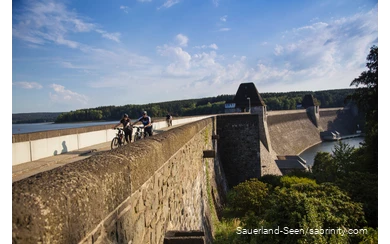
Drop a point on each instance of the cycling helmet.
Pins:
(145, 112)
(125, 115)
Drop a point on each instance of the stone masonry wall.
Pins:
(268, 165)
(263, 127)
(239, 147)
(291, 133)
(340, 120)
(133, 194)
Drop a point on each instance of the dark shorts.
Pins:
(128, 133)
(148, 130)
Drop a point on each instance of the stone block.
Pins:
(184, 237)
(209, 154)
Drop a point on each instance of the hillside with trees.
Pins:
(34, 117)
(210, 105)
(190, 107)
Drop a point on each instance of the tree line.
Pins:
(202, 106)
(34, 117)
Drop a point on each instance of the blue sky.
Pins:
(69, 55)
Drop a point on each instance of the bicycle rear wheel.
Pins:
(115, 143)
(135, 137)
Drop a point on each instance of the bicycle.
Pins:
(140, 133)
(119, 139)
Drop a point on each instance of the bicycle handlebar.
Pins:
(138, 126)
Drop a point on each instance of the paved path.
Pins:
(28, 169)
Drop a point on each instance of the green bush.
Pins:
(288, 181)
(248, 196)
(273, 180)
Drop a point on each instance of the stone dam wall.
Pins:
(139, 192)
(340, 120)
(134, 194)
(293, 132)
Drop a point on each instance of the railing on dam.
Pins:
(33, 146)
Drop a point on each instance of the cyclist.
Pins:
(127, 128)
(169, 119)
(147, 122)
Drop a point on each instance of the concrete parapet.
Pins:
(48, 143)
(55, 133)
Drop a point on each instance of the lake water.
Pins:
(34, 127)
(328, 146)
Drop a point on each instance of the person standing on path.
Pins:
(147, 122)
(127, 128)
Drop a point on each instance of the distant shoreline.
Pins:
(53, 122)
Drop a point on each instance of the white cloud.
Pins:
(112, 36)
(70, 65)
(27, 85)
(224, 18)
(314, 56)
(47, 21)
(224, 29)
(80, 25)
(69, 43)
(212, 46)
(182, 40)
(181, 59)
(216, 3)
(62, 95)
(278, 50)
(143, 1)
(120, 57)
(329, 47)
(134, 60)
(125, 9)
(169, 3)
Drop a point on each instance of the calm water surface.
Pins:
(34, 127)
(310, 153)
(27, 128)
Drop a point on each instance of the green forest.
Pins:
(210, 105)
(190, 107)
(34, 117)
(335, 202)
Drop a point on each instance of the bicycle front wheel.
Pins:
(115, 143)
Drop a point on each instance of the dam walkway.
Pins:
(28, 169)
